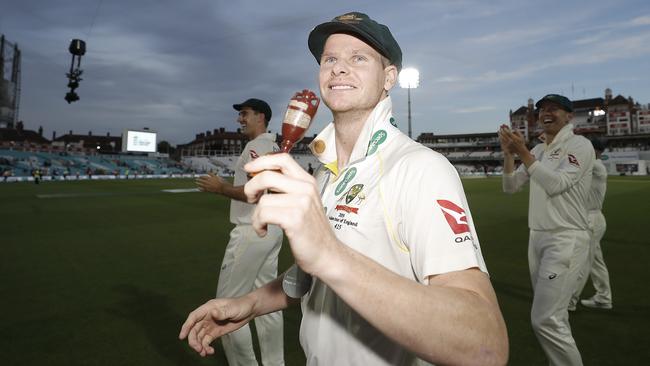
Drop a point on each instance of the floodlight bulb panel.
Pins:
(409, 78)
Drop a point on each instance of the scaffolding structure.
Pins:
(9, 83)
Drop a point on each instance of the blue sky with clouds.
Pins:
(177, 67)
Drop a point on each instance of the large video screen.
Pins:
(139, 141)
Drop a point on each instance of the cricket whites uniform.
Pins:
(560, 180)
(402, 205)
(597, 224)
(251, 262)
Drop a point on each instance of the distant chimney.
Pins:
(19, 125)
(215, 131)
(239, 130)
(108, 134)
(197, 136)
(208, 133)
(40, 130)
(146, 128)
(53, 135)
(70, 133)
(222, 130)
(90, 133)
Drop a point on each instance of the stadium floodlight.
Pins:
(409, 78)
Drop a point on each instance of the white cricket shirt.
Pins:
(598, 187)
(560, 180)
(402, 205)
(240, 212)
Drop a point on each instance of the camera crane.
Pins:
(77, 49)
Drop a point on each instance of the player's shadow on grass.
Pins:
(161, 324)
(524, 293)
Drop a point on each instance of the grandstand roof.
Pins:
(429, 135)
(108, 144)
(20, 135)
(89, 139)
(591, 103)
(619, 100)
(521, 110)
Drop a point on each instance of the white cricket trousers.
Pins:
(595, 265)
(553, 258)
(251, 262)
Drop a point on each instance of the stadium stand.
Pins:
(22, 165)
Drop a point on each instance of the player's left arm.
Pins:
(454, 320)
(215, 184)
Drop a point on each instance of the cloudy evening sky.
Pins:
(178, 66)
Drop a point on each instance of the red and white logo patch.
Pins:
(254, 154)
(455, 216)
(573, 160)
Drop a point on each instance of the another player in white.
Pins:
(250, 261)
(559, 171)
(595, 266)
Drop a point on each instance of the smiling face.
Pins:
(252, 122)
(353, 76)
(552, 118)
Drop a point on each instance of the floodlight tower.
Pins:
(409, 78)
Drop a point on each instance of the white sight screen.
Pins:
(139, 141)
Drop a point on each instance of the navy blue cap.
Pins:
(358, 25)
(558, 99)
(257, 105)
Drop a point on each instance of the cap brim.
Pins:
(319, 35)
(570, 110)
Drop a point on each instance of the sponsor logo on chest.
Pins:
(555, 154)
(349, 175)
(377, 139)
(346, 214)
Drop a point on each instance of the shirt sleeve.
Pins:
(579, 160)
(512, 182)
(259, 147)
(434, 220)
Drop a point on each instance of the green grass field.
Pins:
(105, 272)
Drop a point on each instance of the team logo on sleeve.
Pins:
(573, 160)
(455, 216)
(254, 154)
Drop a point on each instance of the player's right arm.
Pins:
(215, 184)
(222, 316)
(512, 180)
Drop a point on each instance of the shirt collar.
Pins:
(564, 133)
(266, 136)
(324, 144)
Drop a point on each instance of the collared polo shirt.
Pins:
(400, 204)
